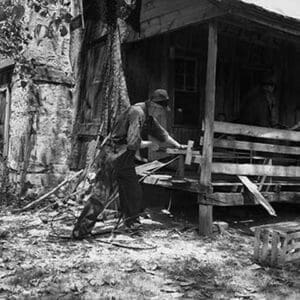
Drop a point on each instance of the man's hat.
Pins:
(159, 95)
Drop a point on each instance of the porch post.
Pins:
(205, 211)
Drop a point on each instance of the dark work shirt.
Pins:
(131, 123)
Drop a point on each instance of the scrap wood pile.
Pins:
(66, 198)
(61, 206)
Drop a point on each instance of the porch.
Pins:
(250, 165)
(208, 55)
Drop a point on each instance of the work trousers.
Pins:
(116, 174)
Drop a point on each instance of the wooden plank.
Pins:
(274, 251)
(258, 196)
(263, 179)
(175, 151)
(189, 154)
(224, 199)
(261, 147)
(255, 170)
(142, 169)
(194, 187)
(257, 243)
(265, 248)
(282, 226)
(289, 197)
(210, 95)
(279, 184)
(256, 131)
(198, 159)
(232, 199)
(205, 213)
(180, 166)
(205, 219)
(226, 184)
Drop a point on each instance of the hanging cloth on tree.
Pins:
(115, 95)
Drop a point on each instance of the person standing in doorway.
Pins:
(260, 107)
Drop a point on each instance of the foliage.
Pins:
(14, 31)
(11, 35)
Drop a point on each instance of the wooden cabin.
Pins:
(208, 54)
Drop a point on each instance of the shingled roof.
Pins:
(288, 8)
(283, 15)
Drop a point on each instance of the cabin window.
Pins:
(186, 102)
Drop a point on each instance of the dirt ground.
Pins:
(167, 259)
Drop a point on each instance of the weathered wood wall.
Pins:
(160, 16)
(290, 103)
(245, 52)
(244, 56)
(145, 67)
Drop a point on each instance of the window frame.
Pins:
(196, 92)
(187, 58)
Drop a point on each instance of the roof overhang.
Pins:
(260, 15)
(162, 16)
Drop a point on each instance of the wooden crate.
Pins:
(276, 244)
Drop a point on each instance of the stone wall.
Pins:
(42, 105)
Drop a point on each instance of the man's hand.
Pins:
(182, 147)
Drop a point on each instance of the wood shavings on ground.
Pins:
(180, 266)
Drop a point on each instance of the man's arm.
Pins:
(161, 134)
(174, 143)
